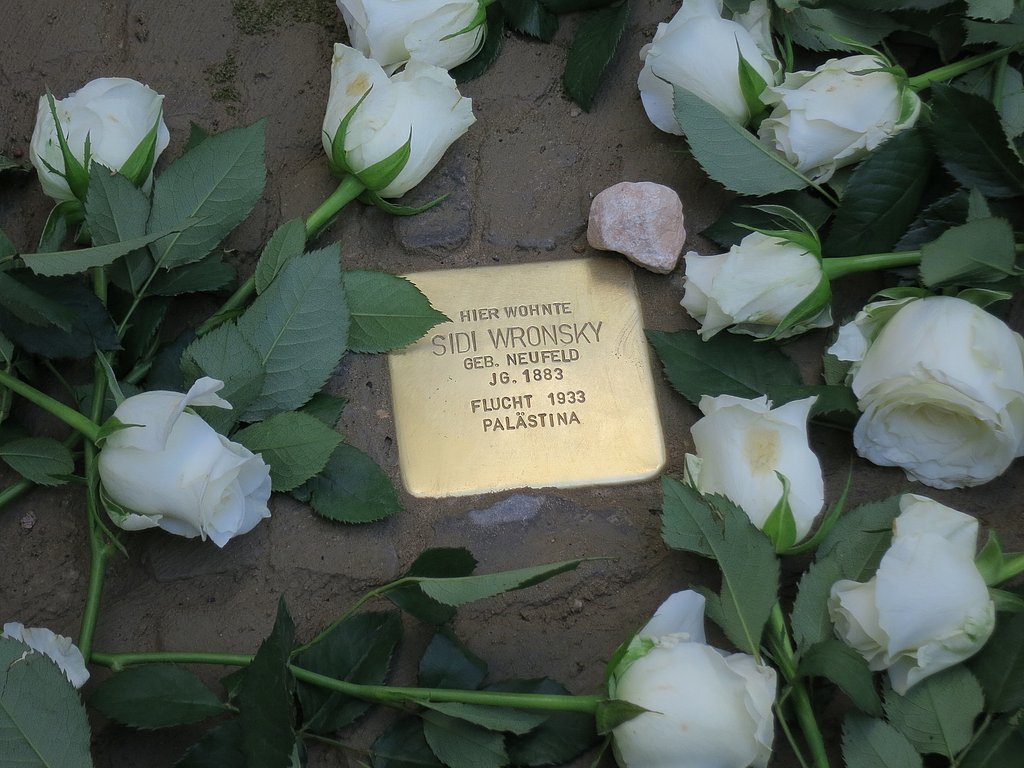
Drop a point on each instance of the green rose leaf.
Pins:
(562, 737)
(42, 460)
(386, 312)
(462, 590)
(459, 744)
(440, 562)
(90, 325)
(156, 696)
(288, 241)
(220, 747)
(225, 354)
(115, 209)
(726, 364)
(993, 10)
(851, 550)
(359, 650)
(593, 47)
(937, 714)
(981, 32)
(500, 719)
(207, 275)
(746, 213)
(299, 327)
(466, 589)
(265, 704)
(56, 263)
(825, 29)
(729, 153)
(42, 721)
(846, 668)
(352, 488)
(325, 407)
(1001, 744)
(531, 18)
(447, 663)
(404, 746)
(294, 444)
(980, 251)
(30, 305)
(716, 528)
(215, 184)
(973, 144)
(999, 666)
(869, 743)
(882, 197)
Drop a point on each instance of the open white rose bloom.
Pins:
(837, 114)
(172, 470)
(707, 708)
(60, 649)
(741, 444)
(940, 383)
(421, 103)
(699, 51)
(430, 31)
(753, 287)
(115, 113)
(927, 607)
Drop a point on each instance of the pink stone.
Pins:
(641, 220)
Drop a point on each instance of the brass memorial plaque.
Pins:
(542, 378)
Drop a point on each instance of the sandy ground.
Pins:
(522, 180)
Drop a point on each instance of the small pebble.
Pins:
(641, 220)
(28, 521)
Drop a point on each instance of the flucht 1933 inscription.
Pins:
(542, 378)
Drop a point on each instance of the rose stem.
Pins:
(801, 700)
(349, 189)
(922, 81)
(99, 549)
(65, 413)
(841, 266)
(383, 694)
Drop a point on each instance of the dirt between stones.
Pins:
(521, 183)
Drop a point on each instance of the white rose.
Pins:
(174, 471)
(741, 446)
(754, 287)
(429, 31)
(837, 114)
(421, 102)
(707, 709)
(115, 113)
(699, 51)
(940, 383)
(60, 649)
(927, 607)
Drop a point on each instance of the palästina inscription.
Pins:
(542, 378)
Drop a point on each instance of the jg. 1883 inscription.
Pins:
(542, 378)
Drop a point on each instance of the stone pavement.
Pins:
(521, 182)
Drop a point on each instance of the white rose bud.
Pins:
(420, 104)
(754, 287)
(940, 384)
(115, 113)
(837, 114)
(927, 607)
(438, 32)
(699, 51)
(60, 649)
(744, 445)
(172, 470)
(705, 707)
